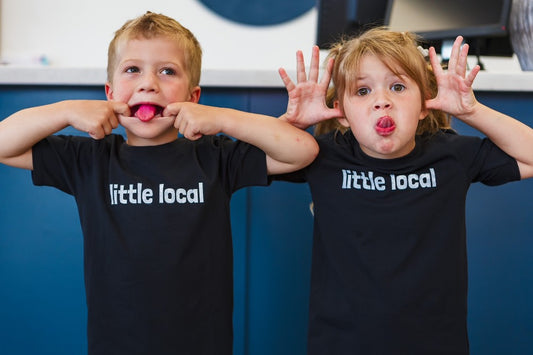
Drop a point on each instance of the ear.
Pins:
(195, 94)
(108, 91)
(342, 120)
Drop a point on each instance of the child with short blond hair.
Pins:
(154, 208)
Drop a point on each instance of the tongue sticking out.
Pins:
(146, 112)
(385, 126)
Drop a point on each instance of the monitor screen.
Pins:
(483, 23)
(338, 18)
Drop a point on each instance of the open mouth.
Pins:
(385, 126)
(146, 112)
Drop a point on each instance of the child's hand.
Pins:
(98, 118)
(307, 99)
(194, 120)
(455, 95)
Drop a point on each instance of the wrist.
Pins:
(470, 116)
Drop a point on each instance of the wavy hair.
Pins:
(400, 52)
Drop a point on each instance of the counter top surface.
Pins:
(248, 78)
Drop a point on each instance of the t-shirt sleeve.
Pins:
(492, 166)
(60, 160)
(241, 164)
(49, 163)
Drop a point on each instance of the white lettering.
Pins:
(137, 194)
(181, 195)
(380, 183)
(414, 181)
(147, 196)
(352, 179)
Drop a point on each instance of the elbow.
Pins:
(311, 152)
(315, 150)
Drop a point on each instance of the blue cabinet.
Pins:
(42, 299)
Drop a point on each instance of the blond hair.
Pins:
(151, 25)
(400, 53)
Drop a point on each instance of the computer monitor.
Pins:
(483, 23)
(337, 18)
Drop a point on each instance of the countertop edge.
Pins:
(233, 78)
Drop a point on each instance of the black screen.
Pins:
(483, 23)
(337, 18)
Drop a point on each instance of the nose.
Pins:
(382, 100)
(148, 83)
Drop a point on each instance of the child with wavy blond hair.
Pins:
(389, 267)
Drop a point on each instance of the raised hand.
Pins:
(194, 120)
(455, 95)
(307, 99)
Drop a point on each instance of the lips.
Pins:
(146, 112)
(385, 126)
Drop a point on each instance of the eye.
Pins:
(132, 69)
(363, 91)
(168, 71)
(398, 87)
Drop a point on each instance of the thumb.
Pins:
(432, 104)
(336, 112)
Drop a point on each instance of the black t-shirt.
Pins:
(157, 237)
(389, 267)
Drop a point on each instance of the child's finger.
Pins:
(469, 80)
(434, 60)
(182, 127)
(454, 56)
(113, 117)
(313, 70)
(178, 122)
(107, 128)
(462, 62)
(114, 121)
(326, 76)
(172, 109)
(289, 85)
(432, 104)
(301, 76)
(120, 108)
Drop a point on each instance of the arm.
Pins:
(22, 130)
(307, 99)
(455, 96)
(287, 148)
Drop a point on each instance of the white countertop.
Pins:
(50, 75)
(247, 78)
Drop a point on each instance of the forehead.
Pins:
(141, 47)
(372, 64)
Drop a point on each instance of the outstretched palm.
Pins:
(307, 99)
(455, 95)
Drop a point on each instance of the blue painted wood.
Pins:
(42, 300)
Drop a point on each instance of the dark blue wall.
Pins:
(42, 300)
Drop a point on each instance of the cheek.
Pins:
(177, 93)
(121, 93)
(357, 116)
